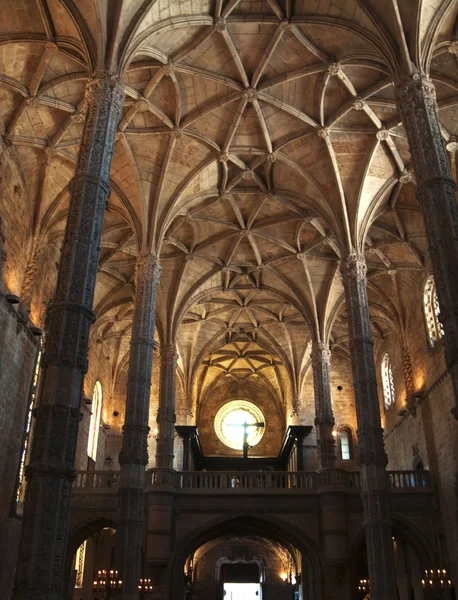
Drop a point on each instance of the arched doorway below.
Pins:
(93, 554)
(409, 563)
(238, 567)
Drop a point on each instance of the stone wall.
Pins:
(431, 434)
(270, 442)
(18, 351)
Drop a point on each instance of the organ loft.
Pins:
(228, 300)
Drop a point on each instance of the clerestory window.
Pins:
(95, 421)
(432, 312)
(389, 395)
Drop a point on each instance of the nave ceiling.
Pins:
(260, 142)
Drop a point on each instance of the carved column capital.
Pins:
(321, 353)
(169, 354)
(147, 268)
(354, 267)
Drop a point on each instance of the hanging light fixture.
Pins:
(106, 583)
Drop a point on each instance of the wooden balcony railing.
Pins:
(255, 480)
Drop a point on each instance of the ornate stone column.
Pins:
(372, 457)
(166, 412)
(436, 193)
(324, 418)
(133, 457)
(64, 364)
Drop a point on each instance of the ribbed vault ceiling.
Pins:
(260, 142)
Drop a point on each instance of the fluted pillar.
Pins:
(64, 364)
(324, 418)
(133, 457)
(436, 193)
(166, 412)
(372, 457)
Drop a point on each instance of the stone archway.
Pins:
(81, 532)
(404, 534)
(277, 531)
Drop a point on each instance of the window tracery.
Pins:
(237, 419)
(95, 421)
(79, 565)
(389, 396)
(432, 312)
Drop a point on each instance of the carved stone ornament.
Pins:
(177, 133)
(453, 48)
(272, 157)
(323, 133)
(142, 105)
(168, 70)
(220, 24)
(168, 353)
(287, 30)
(358, 104)
(250, 94)
(334, 69)
(33, 102)
(406, 177)
(452, 145)
(248, 174)
(223, 157)
(383, 135)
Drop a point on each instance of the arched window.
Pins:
(95, 421)
(389, 395)
(345, 443)
(432, 312)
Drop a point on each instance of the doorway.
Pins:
(242, 591)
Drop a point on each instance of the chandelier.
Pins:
(108, 582)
